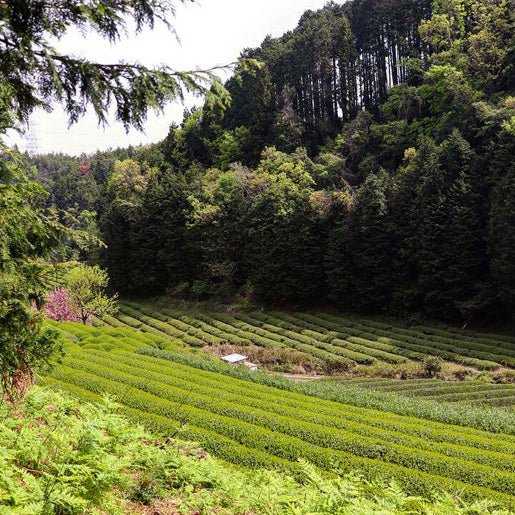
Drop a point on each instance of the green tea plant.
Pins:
(484, 418)
(341, 342)
(259, 420)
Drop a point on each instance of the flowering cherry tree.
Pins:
(60, 307)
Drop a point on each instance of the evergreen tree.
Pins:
(502, 240)
(163, 256)
(339, 258)
(220, 220)
(450, 237)
(285, 249)
(28, 235)
(406, 217)
(501, 236)
(285, 245)
(121, 220)
(252, 107)
(288, 131)
(38, 74)
(360, 250)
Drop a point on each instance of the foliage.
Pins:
(28, 234)
(86, 287)
(173, 332)
(432, 365)
(128, 180)
(360, 269)
(367, 162)
(37, 73)
(284, 237)
(68, 186)
(32, 75)
(73, 457)
(473, 393)
(251, 422)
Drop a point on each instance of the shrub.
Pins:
(337, 365)
(432, 365)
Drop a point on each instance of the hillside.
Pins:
(366, 165)
(340, 342)
(262, 422)
(340, 209)
(62, 455)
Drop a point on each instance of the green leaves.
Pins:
(28, 234)
(37, 74)
(131, 468)
(254, 425)
(328, 337)
(86, 286)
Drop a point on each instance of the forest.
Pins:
(366, 163)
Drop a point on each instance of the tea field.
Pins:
(261, 421)
(471, 392)
(326, 337)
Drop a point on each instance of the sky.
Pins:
(210, 32)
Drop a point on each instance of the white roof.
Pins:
(234, 358)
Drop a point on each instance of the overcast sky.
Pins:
(211, 32)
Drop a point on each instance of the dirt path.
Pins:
(301, 377)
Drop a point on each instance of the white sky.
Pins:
(211, 32)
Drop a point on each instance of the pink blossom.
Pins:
(59, 307)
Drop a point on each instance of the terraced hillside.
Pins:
(323, 336)
(260, 421)
(471, 392)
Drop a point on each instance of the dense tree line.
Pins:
(339, 60)
(369, 162)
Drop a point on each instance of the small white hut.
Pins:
(240, 359)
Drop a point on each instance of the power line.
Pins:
(31, 138)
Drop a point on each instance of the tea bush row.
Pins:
(190, 381)
(288, 447)
(360, 445)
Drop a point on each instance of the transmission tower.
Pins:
(31, 138)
